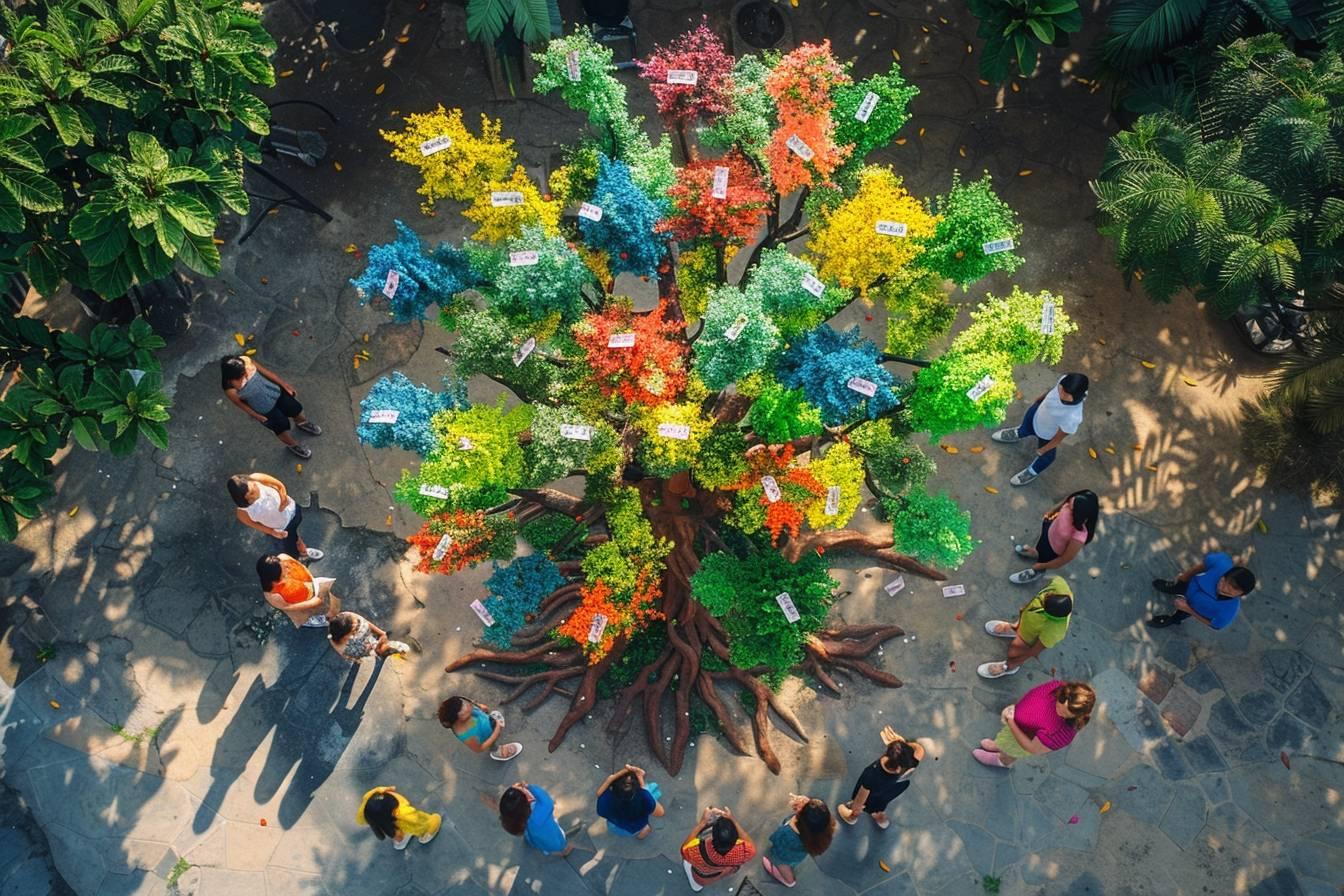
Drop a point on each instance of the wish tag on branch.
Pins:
(895, 586)
(682, 76)
(391, 283)
(577, 432)
(720, 188)
(865, 110)
(674, 431)
(384, 416)
(524, 350)
(597, 628)
(995, 246)
(523, 259)
(799, 148)
(813, 284)
(441, 549)
(785, 601)
(136, 375)
(977, 392)
(482, 613)
(438, 144)
(590, 211)
(771, 488)
(954, 590)
(862, 386)
(501, 198)
(1048, 317)
(621, 340)
(832, 500)
(465, 444)
(572, 64)
(736, 329)
(434, 491)
(891, 228)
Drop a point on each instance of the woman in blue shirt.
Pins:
(528, 811)
(627, 803)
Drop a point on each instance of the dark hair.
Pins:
(1081, 699)
(514, 811)
(450, 709)
(268, 570)
(1076, 385)
(237, 486)
(626, 787)
(340, 625)
(815, 827)
(723, 834)
(1057, 605)
(379, 814)
(1242, 578)
(901, 755)
(231, 368)
(1086, 509)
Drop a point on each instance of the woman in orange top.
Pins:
(288, 586)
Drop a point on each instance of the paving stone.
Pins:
(28, 877)
(1316, 860)
(979, 843)
(1006, 855)
(1132, 713)
(1286, 733)
(77, 857)
(1237, 738)
(1175, 650)
(1081, 778)
(1149, 799)
(1181, 711)
(1037, 826)
(1185, 816)
(1260, 707)
(1201, 679)
(224, 882)
(1155, 682)
(1061, 798)
(137, 883)
(1215, 787)
(1202, 755)
(1283, 669)
(1309, 703)
(1169, 760)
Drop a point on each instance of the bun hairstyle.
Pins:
(268, 571)
(514, 811)
(339, 626)
(238, 490)
(1086, 510)
(231, 370)
(901, 756)
(816, 827)
(1076, 385)
(1081, 700)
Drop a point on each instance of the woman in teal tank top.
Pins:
(477, 728)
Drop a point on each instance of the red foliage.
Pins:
(471, 536)
(695, 211)
(653, 371)
(622, 619)
(801, 86)
(805, 79)
(702, 52)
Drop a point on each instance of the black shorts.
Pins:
(290, 543)
(1045, 553)
(286, 406)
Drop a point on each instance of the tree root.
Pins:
(523, 682)
(875, 546)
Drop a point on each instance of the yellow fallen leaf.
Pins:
(921, 132)
(53, 704)
(1092, 453)
(950, 449)
(1082, 81)
(251, 337)
(962, 151)
(984, 83)
(1152, 468)
(872, 13)
(900, 142)
(1137, 447)
(73, 510)
(379, 90)
(351, 249)
(250, 352)
(1189, 382)
(325, 64)
(991, 489)
(217, 241)
(1149, 364)
(366, 337)
(969, 49)
(1101, 342)
(896, 56)
(1105, 807)
(337, 166)
(976, 449)
(401, 38)
(943, 20)
(1264, 527)
(1110, 450)
(298, 468)
(287, 72)
(924, 28)
(1138, 275)
(1016, 89)
(1025, 172)
(239, 338)
(389, 519)
(884, 866)
(265, 280)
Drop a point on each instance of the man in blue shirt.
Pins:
(1211, 591)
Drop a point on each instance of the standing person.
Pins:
(1054, 416)
(1068, 526)
(715, 848)
(354, 638)
(627, 803)
(1047, 718)
(289, 587)
(266, 398)
(393, 817)
(528, 811)
(883, 780)
(1211, 591)
(265, 505)
(807, 832)
(1042, 623)
(477, 727)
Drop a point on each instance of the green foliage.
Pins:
(780, 415)
(939, 403)
(1309, 387)
(1012, 326)
(884, 120)
(554, 285)
(478, 459)
(931, 528)
(895, 463)
(545, 532)
(777, 284)
(644, 647)
(918, 312)
(750, 121)
(487, 344)
(1279, 438)
(551, 456)
(1017, 29)
(971, 215)
(720, 360)
(529, 20)
(722, 459)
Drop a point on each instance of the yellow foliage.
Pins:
(463, 169)
(598, 262)
(846, 247)
(499, 223)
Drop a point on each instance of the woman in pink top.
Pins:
(1066, 528)
(1046, 719)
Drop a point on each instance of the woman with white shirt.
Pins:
(1053, 417)
(265, 505)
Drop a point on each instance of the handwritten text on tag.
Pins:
(862, 386)
(578, 433)
(720, 188)
(597, 628)
(438, 144)
(524, 350)
(785, 601)
(384, 416)
(590, 211)
(501, 198)
(572, 64)
(832, 500)
(891, 228)
(771, 487)
(621, 340)
(465, 444)
(674, 431)
(1048, 317)
(736, 329)
(682, 76)
(523, 259)
(895, 586)
(800, 149)
(434, 491)
(994, 246)
(813, 284)
(977, 392)
(483, 613)
(441, 548)
(865, 110)
(391, 283)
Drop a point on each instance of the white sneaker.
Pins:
(315, 554)
(992, 629)
(402, 843)
(689, 876)
(318, 621)
(1006, 436)
(1026, 477)
(425, 838)
(1025, 576)
(987, 670)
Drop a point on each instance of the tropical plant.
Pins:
(529, 20)
(1015, 30)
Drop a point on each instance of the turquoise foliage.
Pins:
(721, 360)
(516, 591)
(625, 232)
(414, 405)
(425, 279)
(554, 283)
(825, 365)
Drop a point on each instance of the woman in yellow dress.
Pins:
(391, 815)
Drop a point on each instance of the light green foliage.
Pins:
(720, 360)
(895, 463)
(939, 403)
(663, 455)
(777, 283)
(487, 343)
(843, 467)
(596, 92)
(887, 117)
(971, 215)
(931, 528)
(778, 414)
(1012, 326)
(918, 312)
(633, 548)
(722, 459)
(476, 476)
(750, 122)
(551, 456)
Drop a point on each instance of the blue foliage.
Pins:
(425, 278)
(628, 218)
(515, 591)
(415, 405)
(822, 364)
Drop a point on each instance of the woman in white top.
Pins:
(265, 505)
(1054, 416)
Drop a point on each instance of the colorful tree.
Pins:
(727, 436)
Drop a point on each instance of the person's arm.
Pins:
(1058, 437)
(611, 779)
(859, 800)
(1030, 650)
(1030, 744)
(275, 378)
(1188, 574)
(1184, 606)
(247, 409)
(336, 646)
(253, 524)
(741, 831)
(1070, 551)
(705, 818)
(494, 736)
(263, 479)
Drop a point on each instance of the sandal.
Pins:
(310, 427)
(518, 748)
(300, 451)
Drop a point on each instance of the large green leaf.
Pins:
(486, 19)
(68, 123)
(35, 192)
(11, 214)
(146, 150)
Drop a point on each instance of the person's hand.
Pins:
(279, 533)
(889, 734)
(708, 815)
(1182, 604)
(726, 812)
(289, 390)
(1006, 715)
(499, 723)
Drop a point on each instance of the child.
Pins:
(354, 638)
(391, 815)
(527, 810)
(627, 803)
(266, 398)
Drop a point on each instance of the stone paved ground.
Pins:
(175, 740)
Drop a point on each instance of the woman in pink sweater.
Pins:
(1047, 718)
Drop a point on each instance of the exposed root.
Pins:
(876, 546)
(522, 683)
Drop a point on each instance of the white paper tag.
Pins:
(682, 76)
(597, 628)
(391, 283)
(483, 613)
(434, 491)
(674, 431)
(438, 144)
(736, 329)
(524, 350)
(465, 444)
(895, 586)
(384, 416)
(865, 110)
(1048, 317)
(891, 228)
(954, 590)
(813, 284)
(800, 149)
(832, 500)
(994, 246)
(720, 189)
(621, 340)
(523, 259)
(862, 386)
(501, 198)
(977, 392)
(441, 548)
(136, 373)
(572, 64)
(577, 432)
(771, 487)
(590, 211)
(785, 602)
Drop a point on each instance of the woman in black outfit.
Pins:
(883, 781)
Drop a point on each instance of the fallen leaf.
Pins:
(969, 49)
(1138, 275)
(924, 28)
(1152, 468)
(287, 72)
(1131, 788)
(298, 468)
(1092, 453)
(1016, 89)
(379, 90)
(1149, 364)
(217, 241)
(962, 151)
(262, 822)
(1105, 807)
(896, 56)
(389, 519)
(250, 352)
(984, 83)
(921, 132)
(337, 166)
(872, 13)
(73, 510)
(265, 280)
(950, 449)
(366, 337)
(401, 39)
(240, 338)
(991, 489)
(1137, 447)
(1082, 81)
(1189, 382)
(959, 616)
(293, 332)
(1283, 757)
(952, 665)
(251, 337)
(884, 866)
(53, 704)
(325, 64)
(1073, 819)
(976, 449)
(356, 363)
(1025, 172)
(1264, 527)
(1110, 450)
(1101, 342)
(351, 249)
(943, 20)
(900, 142)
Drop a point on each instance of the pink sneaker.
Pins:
(984, 757)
